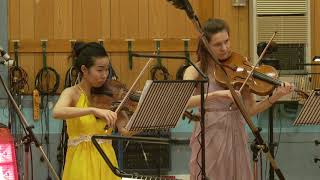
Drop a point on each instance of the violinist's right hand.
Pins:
(226, 93)
(109, 116)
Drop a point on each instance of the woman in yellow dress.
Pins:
(74, 105)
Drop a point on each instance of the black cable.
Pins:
(265, 172)
(112, 73)
(71, 77)
(42, 81)
(31, 161)
(46, 118)
(62, 147)
(18, 79)
(260, 159)
(181, 70)
(279, 138)
(18, 82)
(159, 70)
(41, 120)
(43, 77)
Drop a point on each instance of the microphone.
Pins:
(4, 54)
(5, 57)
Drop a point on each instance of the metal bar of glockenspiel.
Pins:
(309, 108)
(300, 118)
(316, 115)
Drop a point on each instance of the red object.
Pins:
(169, 177)
(8, 165)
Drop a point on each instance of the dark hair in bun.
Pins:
(86, 53)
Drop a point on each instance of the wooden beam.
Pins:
(112, 46)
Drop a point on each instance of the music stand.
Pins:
(161, 105)
(310, 112)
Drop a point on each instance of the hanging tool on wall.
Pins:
(46, 75)
(18, 83)
(158, 71)
(183, 67)
(36, 104)
(129, 41)
(47, 83)
(18, 77)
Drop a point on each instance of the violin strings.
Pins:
(266, 77)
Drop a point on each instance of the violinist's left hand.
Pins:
(124, 132)
(284, 89)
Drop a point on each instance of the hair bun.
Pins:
(76, 50)
(78, 47)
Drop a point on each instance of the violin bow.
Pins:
(258, 61)
(133, 85)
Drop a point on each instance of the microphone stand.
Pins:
(30, 136)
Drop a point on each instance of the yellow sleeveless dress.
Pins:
(83, 160)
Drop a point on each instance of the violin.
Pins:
(263, 80)
(111, 93)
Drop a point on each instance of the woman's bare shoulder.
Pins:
(191, 73)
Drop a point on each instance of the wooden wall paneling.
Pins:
(316, 29)
(116, 63)
(315, 38)
(143, 34)
(158, 23)
(106, 19)
(77, 19)
(205, 10)
(43, 14)
(230, 15)
(174, 64)
(63, 12)
(177, 28)
(313, 34)
(62, 30)
(115, 34)
(129, 19)
(91, 10)
(118, 20)
(243, 31)
(115, 19)
(143, 11)
(191, 31)
(176, 23)
(129, 28)
(43, 30)
(115, 45)
(27, 19)
(158, 19)
(14, 19)
(216, 8)
(27, 32)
